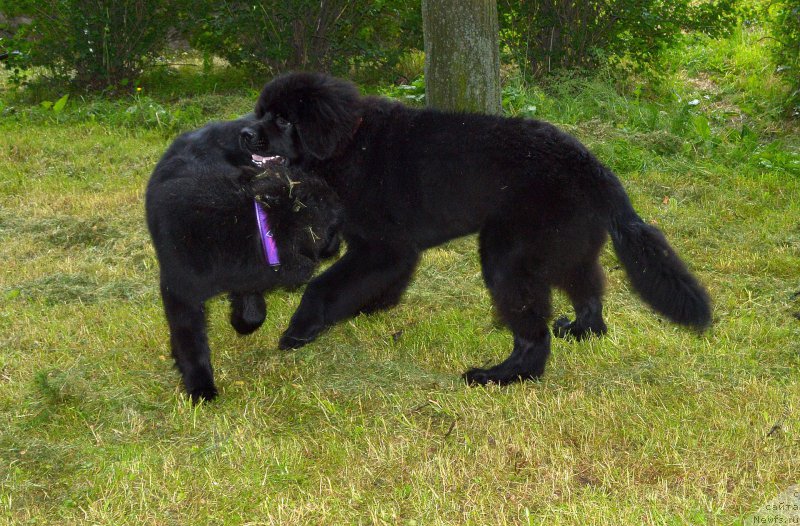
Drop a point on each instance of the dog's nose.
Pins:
(248, 134)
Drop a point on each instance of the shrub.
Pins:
(96, 44)
(328, 35)
(547, 35)
(786, 49)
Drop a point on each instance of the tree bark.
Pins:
(462, 55)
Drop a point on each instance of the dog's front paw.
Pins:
(199, 382)
(289, 342)
(298, 335)
(203, 394)
(200, 389)
(294, 337)
(306, 324)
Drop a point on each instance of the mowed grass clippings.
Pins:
(371, 424)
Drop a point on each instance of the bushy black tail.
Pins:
(655, 270)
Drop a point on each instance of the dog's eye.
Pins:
(282, 123)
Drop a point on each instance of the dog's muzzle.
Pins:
(252, 143)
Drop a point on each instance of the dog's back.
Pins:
(196, 205)
(413, 178)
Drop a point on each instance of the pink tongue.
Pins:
(261, 160)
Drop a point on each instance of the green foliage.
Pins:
(786, 49)
(58, 107)
(338, 36)
(548, 35)
(410, 65)
(132, 112)
(95, 44)
(412, 93)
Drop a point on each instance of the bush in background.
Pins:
(543, 36)
(96, 44)
(338, 36)
(786, 37)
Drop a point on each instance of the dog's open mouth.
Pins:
(264, 161)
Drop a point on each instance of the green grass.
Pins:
(371, 424)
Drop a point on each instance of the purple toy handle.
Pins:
(265, 233)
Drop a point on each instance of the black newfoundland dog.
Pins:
(410, 179)
(225, 220)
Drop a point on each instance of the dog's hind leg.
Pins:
(367, 278)
(187, 325)
(522, 298)
(248, 311)
(584, 286)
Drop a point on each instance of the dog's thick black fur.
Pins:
(410, 179)
(201, 216)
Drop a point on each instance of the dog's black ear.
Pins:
(261, 107)
(327, 115)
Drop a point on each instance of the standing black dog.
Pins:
(411, 179)
(201, 212)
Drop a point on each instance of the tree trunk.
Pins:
(462, 55)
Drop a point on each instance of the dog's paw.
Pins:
(248, 312)
(289, 342)
(199, 383)
(245, 327)
(306, 324)
(476, 377)
(563, 328)
(205, 393)
(298, 336)
(499, 375)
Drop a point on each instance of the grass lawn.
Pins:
(371, 424)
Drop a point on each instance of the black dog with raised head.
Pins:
(411, 179)
(201, 212)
